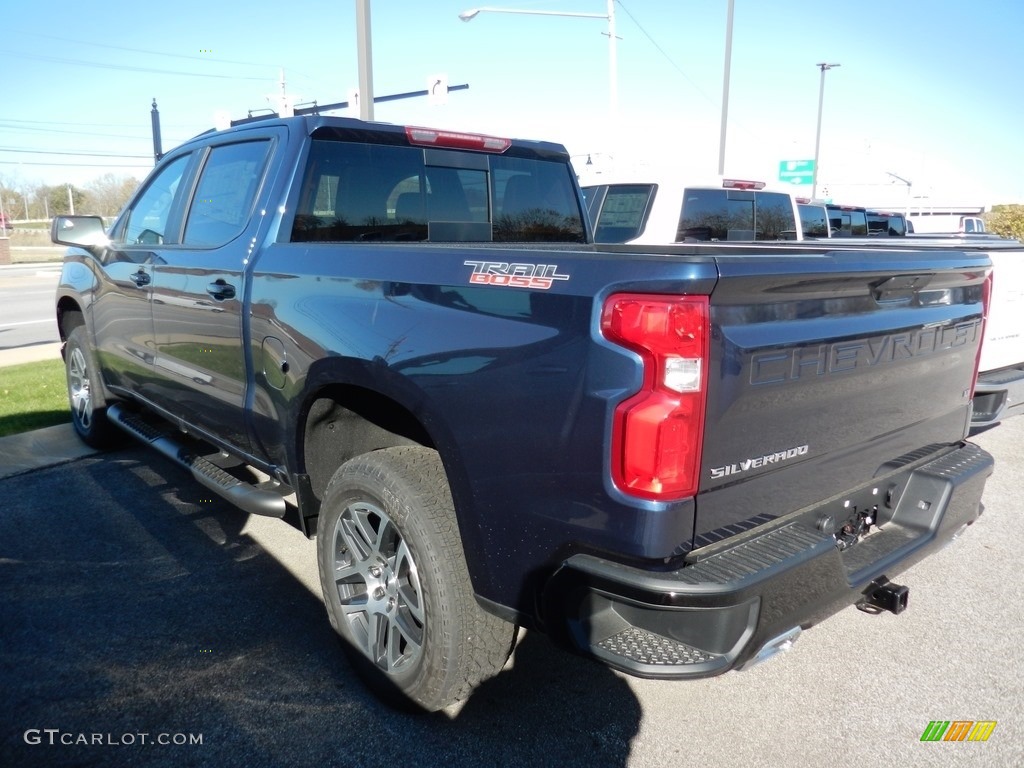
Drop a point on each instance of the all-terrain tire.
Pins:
(396, 584)
(85, 392)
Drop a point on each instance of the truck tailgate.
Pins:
(821, 379)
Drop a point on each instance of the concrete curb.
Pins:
(41, 448)
(33, 354)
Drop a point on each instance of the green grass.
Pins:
(32, 395)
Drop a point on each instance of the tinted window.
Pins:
(726, 214)
(878, 224)
(534, 201)
(886, 224)
(848, 221)
(624, 212)
(227, 189)
(150, 214)
(813, 220)
(377, 193)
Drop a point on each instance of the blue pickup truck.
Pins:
(404, 341)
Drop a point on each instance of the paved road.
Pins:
(26, 305)
(131, 603)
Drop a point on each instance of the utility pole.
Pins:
(365, 54)
(154, 117)
(824, 67)
(71, 201)
(725, 90)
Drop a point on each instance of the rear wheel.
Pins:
(396, 584)
(85, 393)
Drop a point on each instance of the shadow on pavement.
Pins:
(131, 603)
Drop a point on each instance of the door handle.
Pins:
(140, 278)
(221, 290)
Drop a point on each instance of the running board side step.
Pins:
(265, 501)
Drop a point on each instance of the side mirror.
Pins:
(81, 231)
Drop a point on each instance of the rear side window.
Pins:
(355, 192)
(623, 213)
(727, 214)
(813, 220)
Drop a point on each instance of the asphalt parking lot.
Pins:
(145, 623)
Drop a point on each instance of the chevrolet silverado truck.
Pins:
(404, 342)
(641, 210)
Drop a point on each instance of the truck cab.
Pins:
(644, 211)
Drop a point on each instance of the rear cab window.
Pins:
(736, 214)
(848, 221)
(884, 224)
(370, 192)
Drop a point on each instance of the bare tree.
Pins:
(107, 194)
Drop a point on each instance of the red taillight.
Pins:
(658, 432)
(986, 301)
(452, 140)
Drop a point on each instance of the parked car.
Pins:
(670, 458)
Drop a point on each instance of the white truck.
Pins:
(944, 224)
(647, 211)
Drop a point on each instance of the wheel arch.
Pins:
(70, 315)
(349, 416)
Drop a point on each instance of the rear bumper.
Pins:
(998, 395)
(718, 612)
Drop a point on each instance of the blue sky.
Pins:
(928, 91)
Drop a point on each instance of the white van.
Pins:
(675, 211)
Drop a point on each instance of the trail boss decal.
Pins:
(539, 276)
(757, 463)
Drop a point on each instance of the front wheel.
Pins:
(85, 393)
(396, 584)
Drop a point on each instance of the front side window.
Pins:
(150, 214)
(225, 194)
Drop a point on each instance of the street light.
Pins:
(817, 137)
(910, 186)
(613, 82)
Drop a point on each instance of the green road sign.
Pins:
(796, 171)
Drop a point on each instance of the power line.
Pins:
(81, 154)
(143, 50)
(74, 133)
(668, 58)
(77, 165)
(127, 68)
